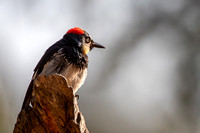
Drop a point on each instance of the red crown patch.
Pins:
(76, 30)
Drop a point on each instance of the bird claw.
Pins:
(77, 96)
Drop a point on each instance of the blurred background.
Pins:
(145, 81)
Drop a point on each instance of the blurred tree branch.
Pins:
(147, 23)
(187, 91)
(54, 108)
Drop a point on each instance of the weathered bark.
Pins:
(54, 109)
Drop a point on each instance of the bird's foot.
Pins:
(77, 96)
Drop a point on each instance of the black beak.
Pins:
(97, 45)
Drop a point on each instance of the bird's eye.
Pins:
(87, 39)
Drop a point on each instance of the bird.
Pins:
(67, 57)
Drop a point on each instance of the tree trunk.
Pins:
(54, 109)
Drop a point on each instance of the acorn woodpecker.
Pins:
(67, 57)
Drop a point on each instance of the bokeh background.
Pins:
(145, 81)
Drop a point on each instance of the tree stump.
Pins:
(54, 109)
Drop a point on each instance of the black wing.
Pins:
(66, 41)
(38, 69)
(46, 57)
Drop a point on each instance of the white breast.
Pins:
(75, 76)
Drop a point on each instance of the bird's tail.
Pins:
(28, 96)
